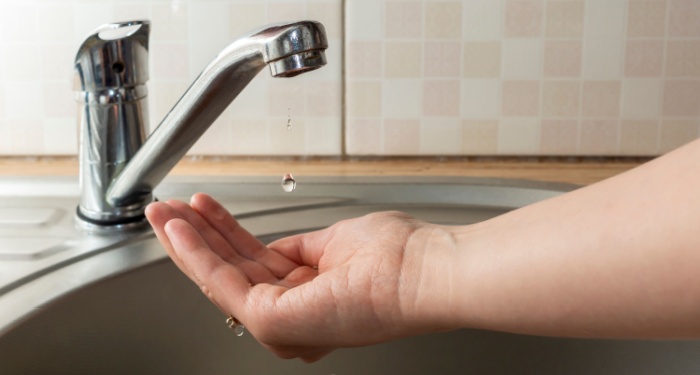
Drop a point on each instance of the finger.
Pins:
(158, 214)
(257, 273)
(224, 284)
(243, 241)
(305, 248)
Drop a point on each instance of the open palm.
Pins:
(304, 295)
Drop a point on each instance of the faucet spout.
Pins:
(288, 49)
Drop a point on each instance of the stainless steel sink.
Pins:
(114, 304)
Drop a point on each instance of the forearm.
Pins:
(620, 258)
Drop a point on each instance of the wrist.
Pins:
(440, 256)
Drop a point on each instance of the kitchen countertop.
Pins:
(580, 171)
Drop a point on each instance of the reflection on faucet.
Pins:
(118, 170)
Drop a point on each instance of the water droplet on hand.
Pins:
(239, 330)
(288, 183)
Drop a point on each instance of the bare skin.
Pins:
(617, 259)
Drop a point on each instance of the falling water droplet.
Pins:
(289, 118)
(288, 183)
(239, 330)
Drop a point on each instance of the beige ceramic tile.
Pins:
(482, 59)
(441, 136)
(601, 99)
(519, 136)
(363, 136)
(641, 98)
(675, 133)
(563, 58)
(561, 98)
(599, 137)
(401, 137)
(403, 19)
(646, 19)
(680, 98)
(250, 137)
(683, 58)
(402, 98)
(441, 98)
(403, 59)
(480, 137)
(442, 59)
(364, 59)
(169, 21)
(644, 58)
(523, 18)
(364, 98)
(684, 18)
(443, 19)
(564, 19)
(520, 98)
(638, 137)
(559, 137)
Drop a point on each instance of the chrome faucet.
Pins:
(119, 167)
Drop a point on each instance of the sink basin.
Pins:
(114, 303)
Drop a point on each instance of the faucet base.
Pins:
(94, 225)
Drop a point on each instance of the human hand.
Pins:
(359, 282)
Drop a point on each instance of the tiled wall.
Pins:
(594, 77)
(421, 77)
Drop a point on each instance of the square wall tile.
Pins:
(481, 99)
(641, 98)
(599, 137)
(676, 133)
(522, 58)
(563, 58)
(519, 136)
(684, 18)
(561, 98)
(603, 58)
(646, 19)
(440, 137)
(364, 136)
(482, 59)
(480, 137)
(402, 136)
(403, 19)
(638, 137)
(680, 98)
(524, 18)
(402, 98)
(559, 137)
(441, 98)
(483, 20)
(601, 99)
(403, 59)
(683, 58)
(443, 19)
(520, 98)
(644, 58)
(442, 59)
(564, 19)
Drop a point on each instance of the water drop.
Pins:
(239, 330)
(288, 183)
(289, 118)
